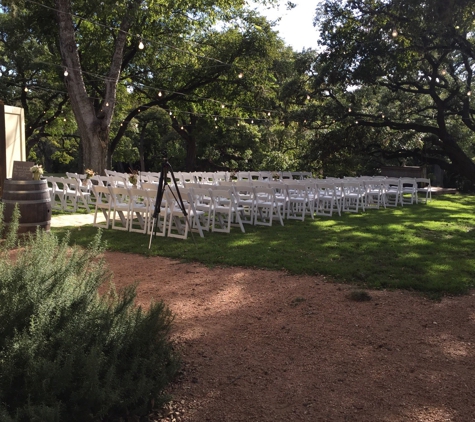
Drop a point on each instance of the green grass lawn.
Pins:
(428, 248)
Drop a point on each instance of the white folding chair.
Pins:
(225, 211)
(245, 201)
(392, 192)
(102, 204)
(74, 196)
(326, 200)
(203, 206)
(374, 194)
(298, 202)
(139, 210)
(408, 190)
(120, 207)
(56, 191)
(423, 187)
(180, 213)
(353, 197)
(267, 207)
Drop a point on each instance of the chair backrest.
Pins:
(150, 186)
(264, 195)
(220, 176)
(139, 198)
(119, 196)
(243, 175)
(423, 182)
(102, 195)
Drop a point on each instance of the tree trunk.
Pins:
(464, 165)
(93, 127)
(190, 161)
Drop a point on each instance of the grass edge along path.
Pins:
(424, 247)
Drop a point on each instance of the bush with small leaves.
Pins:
(67, 352)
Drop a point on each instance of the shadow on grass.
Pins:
(427, 248)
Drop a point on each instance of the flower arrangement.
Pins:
(133, 177)
(36, 171)
(89, 173)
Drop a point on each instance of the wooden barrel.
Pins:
(34, 203)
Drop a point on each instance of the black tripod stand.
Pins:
(162, 184)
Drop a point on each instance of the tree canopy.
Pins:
(407, 66)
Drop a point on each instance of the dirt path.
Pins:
(266, 346)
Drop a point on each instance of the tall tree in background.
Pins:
(100, 46)
(417, 58)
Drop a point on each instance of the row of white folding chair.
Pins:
(133, 209)
(207, 209)
(294, 199)
(400, 191)
(123, 208)
(301, 198)
(237, 203)
(67, 194)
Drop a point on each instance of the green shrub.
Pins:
(68, 353)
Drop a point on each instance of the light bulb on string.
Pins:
(443, 72)
(222, 105)
(26, 89)
(240, 75)
(171, 114)
(394, 33)
(469, 93)
(268, 113)
(141, 45)
(66, 73)
(107, 104)
(160, 93)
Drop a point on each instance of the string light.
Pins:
(240, 75)
(469, 93)
(66, 73)
(141, 45)
(130, 88)
(159, 93)
(394, 33)
(26, 89)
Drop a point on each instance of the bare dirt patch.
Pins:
(268, 346)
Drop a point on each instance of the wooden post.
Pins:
(3, 147)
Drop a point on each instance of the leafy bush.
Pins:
(68, 353)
